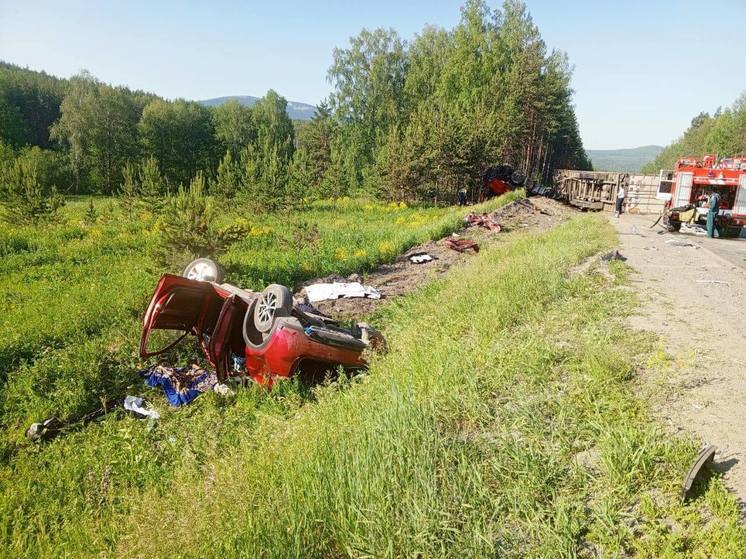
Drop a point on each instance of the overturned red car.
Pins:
(265, 336)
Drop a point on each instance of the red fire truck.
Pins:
(684, 187)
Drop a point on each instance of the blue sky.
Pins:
(642, 69)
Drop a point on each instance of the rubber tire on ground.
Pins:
(276, 301)
(219, 272)
(517, 178)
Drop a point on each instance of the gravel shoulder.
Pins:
(694, 300)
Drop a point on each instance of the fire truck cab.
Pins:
(684, 187)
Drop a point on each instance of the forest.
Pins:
(722, 133)
(407, 120)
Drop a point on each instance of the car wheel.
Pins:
(517, 178)
(204, 269)
(276, 301)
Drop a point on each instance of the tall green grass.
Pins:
(463, 441)
(74, 292)
(500, 424)
(73, 298)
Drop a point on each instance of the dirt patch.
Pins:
(693, 300)
(402, 276)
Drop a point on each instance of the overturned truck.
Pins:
(589, 190)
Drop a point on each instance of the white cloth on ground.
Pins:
(420, 258)
(338, 290)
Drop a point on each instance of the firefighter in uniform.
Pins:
(712, 213)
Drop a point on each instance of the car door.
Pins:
(181, 305)
(227, 336)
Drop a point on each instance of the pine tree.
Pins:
(23, 197)
(152, 185)
(129, 191)
(228, 180)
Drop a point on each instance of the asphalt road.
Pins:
(731, 250)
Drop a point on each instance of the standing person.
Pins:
(462, 196)
(620, 195)
(712, 213)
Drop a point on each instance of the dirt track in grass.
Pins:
(403, 276)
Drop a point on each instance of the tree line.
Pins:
(722, 133)
(406, 120)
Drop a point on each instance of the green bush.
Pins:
(28, 193)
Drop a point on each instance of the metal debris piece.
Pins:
(613, 255)
(705, 457)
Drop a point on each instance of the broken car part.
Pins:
(705, 457)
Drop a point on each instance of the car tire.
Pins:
(204, 269)
(276, 301)
(517, 178)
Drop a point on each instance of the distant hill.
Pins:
(625, 160)
(296, 111)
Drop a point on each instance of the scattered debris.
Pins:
(705, 457)
(461, 245)
(223, 390)
(44, 431)
(180, 384)
(401, 276)
(140, 408)
(420, 258)
(613, 255)
(337, 290)
(51, 427)
(679, 243)
(485, 220)
(721, 282)
(696, 230)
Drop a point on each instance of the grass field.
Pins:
(73, 295)
(500, 423)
